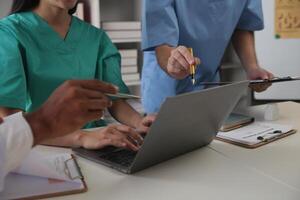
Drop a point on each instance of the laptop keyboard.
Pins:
(122, 157)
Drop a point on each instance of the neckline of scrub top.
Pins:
(47, 33)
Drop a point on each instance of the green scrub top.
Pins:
(35, 60)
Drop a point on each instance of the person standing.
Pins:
(170, 27)
(43, 45)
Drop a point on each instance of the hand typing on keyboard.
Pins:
(144, 124)
(113, 135)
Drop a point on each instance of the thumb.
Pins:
(197, 61)
(265, 76)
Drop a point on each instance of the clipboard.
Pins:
(262, 143)
(235, 121)
(26, 187)
(254, 82)
(256, 134)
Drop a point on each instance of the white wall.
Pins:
(282, 57)
(4, 7)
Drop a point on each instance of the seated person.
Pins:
(42, 45)
(71, 106)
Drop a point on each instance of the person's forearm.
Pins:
(125, 114)
(71, 140)
(38, 127)
(163, 54)
(42, 133)
(244, 44)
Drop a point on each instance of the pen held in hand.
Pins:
(192, 68)
(123, 96)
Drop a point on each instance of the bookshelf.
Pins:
(122, 22)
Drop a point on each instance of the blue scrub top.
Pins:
(206, 26)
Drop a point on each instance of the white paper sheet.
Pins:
(42, 174)
(48, 166)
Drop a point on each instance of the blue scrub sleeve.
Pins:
(109, 64)
(252, 16)
(160, 25)
(13, 90)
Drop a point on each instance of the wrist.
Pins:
(163, 54)
(251, 66)
(39, 127)
(78, 138)
(138, 121)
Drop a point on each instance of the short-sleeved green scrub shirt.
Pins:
(35, 60)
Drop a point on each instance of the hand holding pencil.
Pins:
(181, 63)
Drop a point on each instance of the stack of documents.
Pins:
(256, 133)
(129, 67)
(123, 31)
(42, 175)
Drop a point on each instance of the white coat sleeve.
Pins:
(16, 140)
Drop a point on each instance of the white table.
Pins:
(280, 159)
(219, 171)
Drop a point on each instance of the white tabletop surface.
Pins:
(279, 159)
(219, 171)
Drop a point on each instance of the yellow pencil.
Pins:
(192, 68)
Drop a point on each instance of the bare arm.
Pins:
(66, 141)
(125, 114)
(71, 140)
(8, 111)
(243, 42)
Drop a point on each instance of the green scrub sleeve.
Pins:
(12, 74)
(109, 64)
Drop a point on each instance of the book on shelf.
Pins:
(133, 83)
(128, 61)
(129, 69)
(131, 77)
(124, 34)
(121, 25)
(126, 40)
(129, 53)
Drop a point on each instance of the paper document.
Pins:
(42, 175)
(255, 133)
(48, 166)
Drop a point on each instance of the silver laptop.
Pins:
(184, 123)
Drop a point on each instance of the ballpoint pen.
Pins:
(192, 68)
